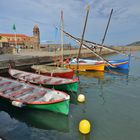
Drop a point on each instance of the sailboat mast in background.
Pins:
(62, 37)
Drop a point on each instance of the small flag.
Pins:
(14, 27)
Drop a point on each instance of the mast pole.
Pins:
(81, 42)
(62, 37)
(106, 30)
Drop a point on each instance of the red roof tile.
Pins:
(11, 35)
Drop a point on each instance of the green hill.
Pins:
(137, 43)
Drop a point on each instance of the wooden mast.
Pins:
(81, 42)
(106, 30)
(62, 38)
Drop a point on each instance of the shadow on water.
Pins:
(37, 118)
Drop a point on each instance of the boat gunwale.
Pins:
(68, 70)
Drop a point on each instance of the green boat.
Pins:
(63, 84)
(25, 95)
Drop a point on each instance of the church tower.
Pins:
(36, 35)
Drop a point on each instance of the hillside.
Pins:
(137, 43)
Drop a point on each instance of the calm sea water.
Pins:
(112, 106)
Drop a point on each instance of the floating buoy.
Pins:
(84, 126)
(81, 98)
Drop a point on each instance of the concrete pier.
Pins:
(28, 57)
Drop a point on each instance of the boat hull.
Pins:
(87, 67)
(62, 75)
(60, 107)
(53, 71)
(118, 64)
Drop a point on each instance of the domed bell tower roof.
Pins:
(35, 29)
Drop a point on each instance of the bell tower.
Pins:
(36, 35)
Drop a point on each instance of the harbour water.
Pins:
(112, 107)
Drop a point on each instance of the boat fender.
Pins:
(17, 104)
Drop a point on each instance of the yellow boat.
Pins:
(85, 65)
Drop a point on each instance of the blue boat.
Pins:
(118, 64)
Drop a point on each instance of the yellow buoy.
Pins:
(81, 98)
(84, 127)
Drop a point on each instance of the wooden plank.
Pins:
(59, 81)
(34, 78)
(46, 80)
(21, 92)
(5, 83)
(34, 96)
(24, 75)
(10, 88)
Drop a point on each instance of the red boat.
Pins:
(53, 71)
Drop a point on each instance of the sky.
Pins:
(123, 29)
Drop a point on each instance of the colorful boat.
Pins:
(118, 64)
(25, 95)
(85, 65)
(53, 71)
(64, 84)
(112, 64)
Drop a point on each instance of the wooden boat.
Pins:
(114, 64)
(41, 119)
(85, 65)
(118, 64)
(53, 71)
(24, 95)
(64, 84)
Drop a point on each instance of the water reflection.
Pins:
(37, 118)
(92, 74)
(102, 79)
(118, 72)
(84, 137)
(73, 97)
